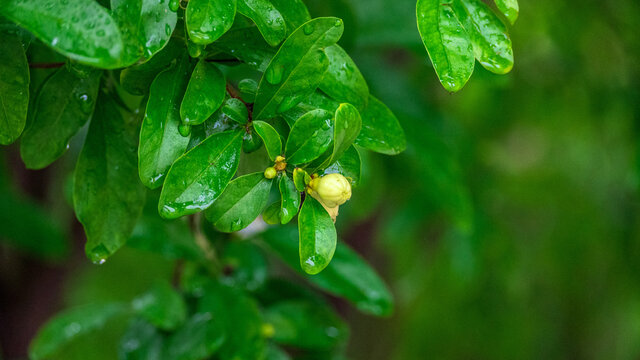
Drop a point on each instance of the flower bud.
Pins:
(270, 173)
(331, 190)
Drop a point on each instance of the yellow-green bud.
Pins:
(270, 173)
(332, 190)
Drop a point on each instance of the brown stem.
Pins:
(46, 65)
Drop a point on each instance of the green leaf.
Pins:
(299, 66)
(198, 177)
(160, 141)
(247, 263)
(107, 196)
(240, 318)
(246, 45)
(14, 88)
(299, 179)
(270, 137)
(489, 36)
(26, 226)
(347, 125)
(240, 203)
(171, 239)
(236, 110)
(267, 18)
(381, 131)
(204, 94)
(137, 79)
(317, 236)
(162, 306)
(271, 214)
(208, 20)
(146, 27)
(310, 137)
(317, 100)
(64, 105)
(348, 275)
(294, 12)
(141, 341)
(509, 8)
(348, 165)
(290, 196)
(199, 338)
(447, 42)
(306, 325)
(79, 29)
(275, 353)
(66, 327)
(343, 80)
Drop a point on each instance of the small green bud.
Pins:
(270, 173)
(332, 190)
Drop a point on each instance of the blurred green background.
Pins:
(509, 229)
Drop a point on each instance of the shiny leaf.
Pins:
(343, 81)
(200, 337)
(160, 141)
(348, 275)
(107, 195)
(306, 325)
(317, 236)
(198, 177)
(64, 105)
(207, 20)
(509, 8)
(79, 29)
(137, 79)
(146, 27)
(236, 110)
(294, 12)
(14, 88)
(141, 341)
(204, 94)
(299, 66)
(66, 327)
(381, 132)
(447, 42)
(162, 306)
(267, 18)
(348, 165)
(290, 196)
(270, 137)
(240, 203)
(240, 318)
(310, 137)
(489, 36)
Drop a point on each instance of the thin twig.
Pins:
(46, 65)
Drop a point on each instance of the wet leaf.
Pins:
(160, 140)
(299, 66)
(381, 132)
(294, 12)
(207, 20)
(240, 203)
(270, 137)
(79, 29)
(310, 137)
(343, 81)
(198, 177)
(64, 105)
(137, 79)
(348, 165)
(348, 275)
(317, 236)
(447, 42)
(509, 8)
(267, 18)
(14, 88)
(107, 196)
(200, 337)
(290, 203)
(162, 306)
(489, 36)
(146, 27)
(204, 94)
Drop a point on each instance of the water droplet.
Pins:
(99, 254)
(184, 130)
(167, 29)
(308, 29)
(54, 41)
(338, 23)
(174, 5)
(274, 74)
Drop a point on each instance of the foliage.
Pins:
(220, 111)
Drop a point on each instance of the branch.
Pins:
(46, 65)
